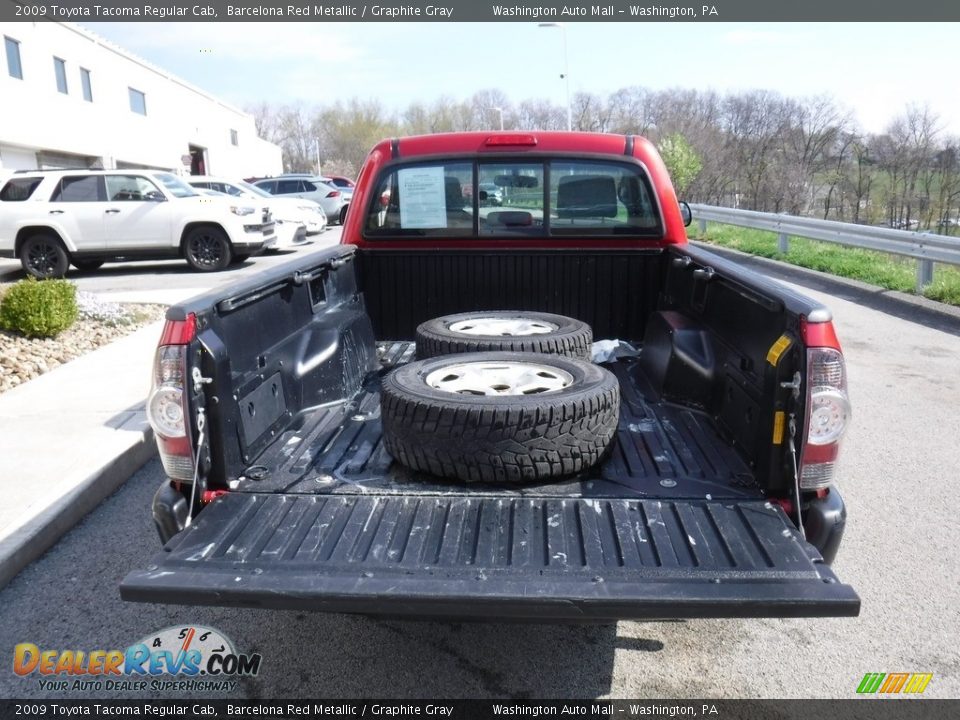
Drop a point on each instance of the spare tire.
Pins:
(499, 417)
(504, 331)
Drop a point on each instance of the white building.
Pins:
(69, 98)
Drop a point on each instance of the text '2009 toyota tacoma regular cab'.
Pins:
(542, 404)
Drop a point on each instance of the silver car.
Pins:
(284, 210)
(330, 198)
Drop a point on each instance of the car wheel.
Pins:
(499, 417)
(88, 265)
(207, 249)
(43, 256)
(504, 330)
(343, 214)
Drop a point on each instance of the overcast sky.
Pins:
(874, 70)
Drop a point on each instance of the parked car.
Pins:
(285, 210)
(419, 422)
(904, 224)
(288, 234)
(341, 182)
(346, 190)
(330, 198)
(490, 194)
(50, 219)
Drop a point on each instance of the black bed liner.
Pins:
(671, 525)
(661, 450)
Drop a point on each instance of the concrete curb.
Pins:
(45, 529)
(909, 307)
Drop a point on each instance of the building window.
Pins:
(233, 138)
(85, 82)
(138, 102)
(13, 58)
(61, 69)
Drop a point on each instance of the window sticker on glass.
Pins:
(422, 197)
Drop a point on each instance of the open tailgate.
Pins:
(495, 557)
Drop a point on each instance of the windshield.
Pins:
(176, 186)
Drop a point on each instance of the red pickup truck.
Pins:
(545, 407)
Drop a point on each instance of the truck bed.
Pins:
(337, 526)
(672, 523)
(662, 450)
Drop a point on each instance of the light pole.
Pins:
(500, 112)
(566, 66)
(316, 144)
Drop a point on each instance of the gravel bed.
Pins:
(22, 359)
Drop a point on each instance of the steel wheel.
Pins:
(499, 378)
(511, 327)
(504, 331)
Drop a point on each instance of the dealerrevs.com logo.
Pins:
(201, 658)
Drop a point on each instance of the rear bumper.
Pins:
(824, 521)
(170, 510)
(520, 558)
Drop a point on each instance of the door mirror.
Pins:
(154, 196)
(686, 213)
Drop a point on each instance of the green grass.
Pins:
(886, 271)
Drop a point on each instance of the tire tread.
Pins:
(529, 440)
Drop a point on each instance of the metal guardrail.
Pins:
(925, 247)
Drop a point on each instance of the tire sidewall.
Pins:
(226, 250)
(572, 337)
(63, 260)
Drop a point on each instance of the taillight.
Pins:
(512, 139)
(167, 405)
(827, 406)
(333, 193)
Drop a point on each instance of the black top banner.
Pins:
(484, 11)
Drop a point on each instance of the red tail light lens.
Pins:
(167, 405)
(179, 332)
(333, 194)
(516, 140)
(828, 409)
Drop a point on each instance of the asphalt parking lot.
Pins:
(171, 274)
(898, 468)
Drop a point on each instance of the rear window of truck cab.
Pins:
(492, 197)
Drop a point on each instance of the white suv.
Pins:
(50, 219)
(284, 210)
(309, 187)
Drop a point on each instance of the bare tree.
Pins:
(347, 130)
(265, 121)
(541, 115)
(757, 149)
